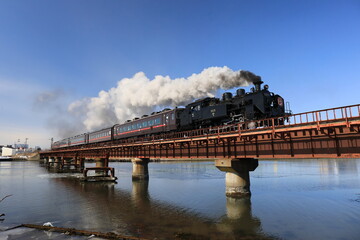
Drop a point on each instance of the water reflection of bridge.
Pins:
(135, 213)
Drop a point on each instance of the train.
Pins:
(258, 103)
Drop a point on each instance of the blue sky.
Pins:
(307, 51)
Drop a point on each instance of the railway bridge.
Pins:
(236, 148)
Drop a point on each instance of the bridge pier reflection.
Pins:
(237, 177)
(108, 207)
(140, 195)
(239, 220)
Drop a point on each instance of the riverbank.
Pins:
(38, 231)
(33, 156)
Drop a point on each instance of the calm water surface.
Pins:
(294, 199)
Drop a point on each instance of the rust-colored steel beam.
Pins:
(330, 133)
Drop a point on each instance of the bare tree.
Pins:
(2, 214)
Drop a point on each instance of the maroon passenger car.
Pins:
(100, 136)
(77, 140)
(60, 144)
(163, 121)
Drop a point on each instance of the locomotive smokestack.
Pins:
(257, 83)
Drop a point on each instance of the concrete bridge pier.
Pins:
(76, 163)
(73, 164)
(237, 179)
(82, 164)
(58, 162)
(101, 163)
(66, 163)
(45, 161)
(140, 168)
(63, 162)
(79, 163)
(102, 171)
(50, 162)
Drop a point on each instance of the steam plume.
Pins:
(133, 97)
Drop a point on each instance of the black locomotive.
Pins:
(257, 104)
(254, 105)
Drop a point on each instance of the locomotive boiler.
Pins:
(259, 103)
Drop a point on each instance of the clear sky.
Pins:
(62, 51)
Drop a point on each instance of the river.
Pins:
(291, 199)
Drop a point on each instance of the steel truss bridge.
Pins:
(329, 133)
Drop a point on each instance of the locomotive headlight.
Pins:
(266, 87)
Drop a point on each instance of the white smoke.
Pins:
(139, 95)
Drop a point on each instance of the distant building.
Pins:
(6, 151)
(21, 146)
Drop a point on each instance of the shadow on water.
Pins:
(135, 213)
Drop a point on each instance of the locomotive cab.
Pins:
(259, 103)
(264, 104)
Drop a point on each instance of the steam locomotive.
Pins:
(257, 104)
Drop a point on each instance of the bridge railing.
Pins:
(326, 116)
(315, 117)
(346, 113)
